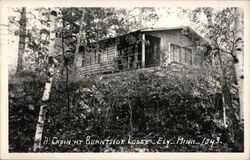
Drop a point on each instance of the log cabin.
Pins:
(143, 49)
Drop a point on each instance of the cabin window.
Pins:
(86, 61)
(99, 58)
(83, 60)
(181, 54)
(130, 57)
(95, 59)
(152, 51)
(105, 54)
(89, 58)
(176, 50)
(188, 56)
(100, 55)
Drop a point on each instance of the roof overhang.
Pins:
(185, 30)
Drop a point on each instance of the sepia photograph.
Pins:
(120, 79)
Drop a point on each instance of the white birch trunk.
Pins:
(143, 50)
(238, 54)
(140, 17)
(22, 37)
(46, 94)
(225, 88)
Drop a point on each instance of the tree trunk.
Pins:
(46, 94)
(67, 69)
(225, 88)
(130, 118)
(22, 36)
(141, 17)
(80, 35)
(238, 54)
(228, 102)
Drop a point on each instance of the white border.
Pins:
(111, 3)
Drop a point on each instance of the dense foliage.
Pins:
(176, 101)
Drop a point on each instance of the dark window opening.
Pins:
(129, 57)
(152, 51)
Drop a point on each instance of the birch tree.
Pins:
(238, 54)
(22, 36)
(225, 88)
(228, 33)
(48, 84)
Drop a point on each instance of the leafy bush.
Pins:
(25, 92)
(176, 101)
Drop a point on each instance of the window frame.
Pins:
(174, 50)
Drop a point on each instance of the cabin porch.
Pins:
(144, 54)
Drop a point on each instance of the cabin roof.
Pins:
(163, 28)
(186, 30)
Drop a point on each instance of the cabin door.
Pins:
(152, 51)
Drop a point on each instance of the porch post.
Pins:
(116, 54)
(135, 63)
(169, 54)
(143, 50)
